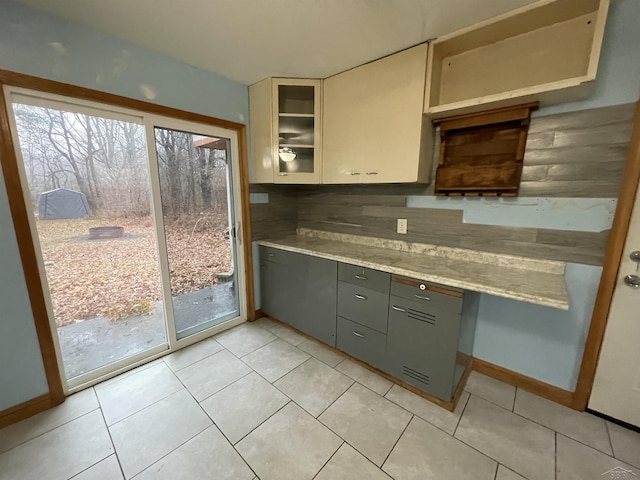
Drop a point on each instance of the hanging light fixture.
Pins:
(286, 154)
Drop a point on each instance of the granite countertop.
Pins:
(535, 281)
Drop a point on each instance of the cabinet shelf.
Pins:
(297, 115)
(295, 145)
(547, 51)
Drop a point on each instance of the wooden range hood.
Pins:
(482, 153)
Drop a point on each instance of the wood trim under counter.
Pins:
(28, 257)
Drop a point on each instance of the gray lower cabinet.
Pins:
(300, 290)
(415, 331)
(423, 335)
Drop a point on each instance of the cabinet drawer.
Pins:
(276, 255)
(363, 305)
(430, 295)
(361, 342)
(364, 277)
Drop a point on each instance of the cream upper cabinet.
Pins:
(546, 51)
(373, 126)
(285, 121)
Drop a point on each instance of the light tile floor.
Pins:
(260, 401)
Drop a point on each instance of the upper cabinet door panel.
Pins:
(297, 130)
(373, 120)
(261, 161)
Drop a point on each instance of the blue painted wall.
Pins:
(42, 45)
(39, 44)
(22, 374)
(545, 343)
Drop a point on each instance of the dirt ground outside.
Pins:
(118, 278)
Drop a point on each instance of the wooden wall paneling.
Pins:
(595, 117)
(277, 218)
(613, 255)
(569, 188)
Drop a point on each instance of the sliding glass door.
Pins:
(134, 222)
(196, 193)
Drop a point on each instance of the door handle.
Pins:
(358, 334)
(422, 297)
(632, 280)
(398, 309)
(361, 297)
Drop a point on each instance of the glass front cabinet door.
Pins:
(285, 131)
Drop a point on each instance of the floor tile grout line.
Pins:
(330, 457)
(495, 475)
(339, 396)
(113, 444)
(607, 426)
(587, 446)
(259, 425)
(195, 361)
(515, 397)
(345, 440)
(555, 455)
(223, 388)
(396, 442)
(553, 430)
(126, 374)
(255, 349)
(172, 450)
(464, 409)
(50, 430)
(422, 418)
(143, 408)
(491, 401)
(75, 475)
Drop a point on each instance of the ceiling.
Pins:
(248, 40)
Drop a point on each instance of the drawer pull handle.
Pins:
(358, 334)
(398, 309)
(272, 254)
(354, 173)
(422, 297)
(361, 277)
(361, 297)
(372, 173)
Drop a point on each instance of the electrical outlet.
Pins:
(402, 225)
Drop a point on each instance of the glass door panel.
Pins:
(296, 128)
(197, 209)
(88, 182)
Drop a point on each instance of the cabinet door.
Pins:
(274, 292)
(373, 124)
(260, 121)
(300, 290)
(422, 345)
(316, 280)
(297, 130)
